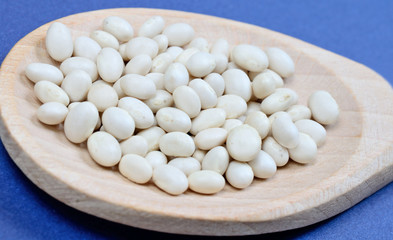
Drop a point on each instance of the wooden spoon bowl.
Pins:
(355, 161)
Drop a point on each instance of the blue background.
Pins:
(359, 30)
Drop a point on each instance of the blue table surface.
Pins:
(359, 30)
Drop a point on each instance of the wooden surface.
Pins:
(356, 160)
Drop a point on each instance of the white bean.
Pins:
(199, 154)
(122, 51)
(220, 46)
(140, 64)
(273, 117)
(174, 51)
(71, 105)
(173, 120)
(239, 174)
(118, 27)
(179, 34)
(138, 86)
(152, 136)
(162, 99)
(210, 138)
(280, 62)
(232, 65)
(230, 124)
(156, 158)
(118, 89)
(221, 63)
(104, 149)
(252, 107)
(152, 27)
(298, 112)
(250, 57)
(176, 75)
(58, 42)
(80, 63)
(324, 108)
(263, 85)
(186, 99)
(161, 63)
(162, 42)
(263, 165)
(49, 92)
(170, 179)
(141, 45)
(305, 151)
(77, 84)
(118, 122)
(110, 64)
(80, 122)
(234, 105)
(158, 79)
(36, 72)
(139, 111)
(277, 78)
(102, 95)
(201, 64)
(105, 39)
(280, 100)
(285, 132)
(216, 81)
(135, 168)
(185, 55)
(200, 43)
(206, 93)
(238, 83)
(52, 113)
(315, 130)
(208, 118)
(177, 144)
(216, 159)
(259, 121)
(134, 145)
(206, 182)
(243, 143)
(279, 153)
(187, 165)
(86, 47)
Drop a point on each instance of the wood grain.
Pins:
(355, 162)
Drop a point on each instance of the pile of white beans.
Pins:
(171, 108)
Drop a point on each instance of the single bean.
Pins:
(104, 149)
(177, 144)
(135, 168)
(324, 108)
(239, 174)
(305, 151)
(170, 179)
(80, 122)
(243, 143)
(118, 27)
(36, 72)
(49, 92)
(206, 182)
(105, 39)
(139, 111)
(52, 113)
(187, 165)
(58, 42)
(263, 165)
(216, 159)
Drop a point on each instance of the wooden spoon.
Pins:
(355, 161)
